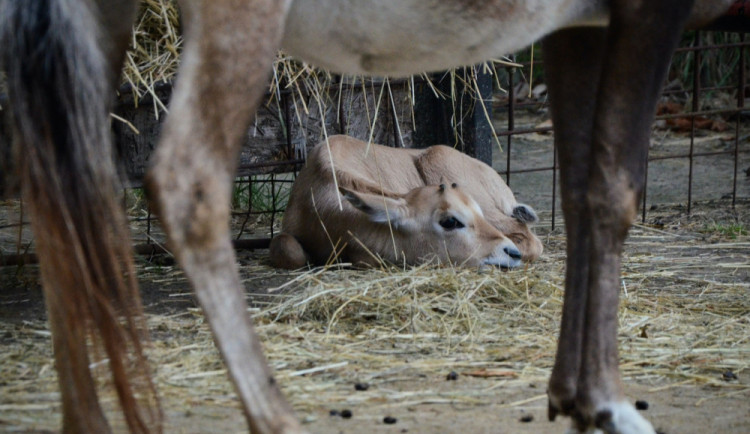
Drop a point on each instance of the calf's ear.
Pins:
(379, 208)
(525, 214)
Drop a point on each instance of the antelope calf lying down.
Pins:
(403, 206)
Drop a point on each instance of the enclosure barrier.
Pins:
(410, 115)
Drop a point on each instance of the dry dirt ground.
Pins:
(684, 339)
(667, 178)
(684, 315)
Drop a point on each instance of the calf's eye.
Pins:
(450, 223)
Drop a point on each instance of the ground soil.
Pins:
(668, 179)
(512, 407)
(667, 236)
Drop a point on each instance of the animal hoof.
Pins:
(612, 418)
(604, 421)
(559, 406)
(552, 412)
(621, 418)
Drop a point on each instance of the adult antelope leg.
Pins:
(573, 61)
(228, 53)
(640, 41)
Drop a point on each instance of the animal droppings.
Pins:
(389, 420)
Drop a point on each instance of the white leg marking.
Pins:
(625, 420)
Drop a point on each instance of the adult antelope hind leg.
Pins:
(602, 133)
(229, 50)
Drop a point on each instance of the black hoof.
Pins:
(605, 422)
(566, 409)
(552, 412)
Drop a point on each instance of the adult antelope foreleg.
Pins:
(229, 49)
(573, 59)
(640, 41)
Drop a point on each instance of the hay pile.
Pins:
(681, 324)
(155, 48)
(154, 57)
(684, 321)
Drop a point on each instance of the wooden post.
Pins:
(478, 138)
(8, 181)
(462, 123)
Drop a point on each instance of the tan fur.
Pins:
(314, 219)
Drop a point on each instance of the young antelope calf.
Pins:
(402, 206)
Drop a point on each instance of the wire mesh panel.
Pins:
(699, 147)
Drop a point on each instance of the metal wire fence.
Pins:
(702, 116)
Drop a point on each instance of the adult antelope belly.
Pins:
(402, 37)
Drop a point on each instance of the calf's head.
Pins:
(438, 221)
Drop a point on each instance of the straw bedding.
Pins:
(684, 322)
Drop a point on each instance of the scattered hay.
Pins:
(684, 321)
(155, 48)
(157, 42)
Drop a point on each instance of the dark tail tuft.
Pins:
(60, 88)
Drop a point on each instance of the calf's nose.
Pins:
(513, 252)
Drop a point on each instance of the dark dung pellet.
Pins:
(346, 414)
(452, 376)
(641, 405)
(361, 386)
(526, 418)
(390, 420)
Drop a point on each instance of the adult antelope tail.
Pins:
(59, 87)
